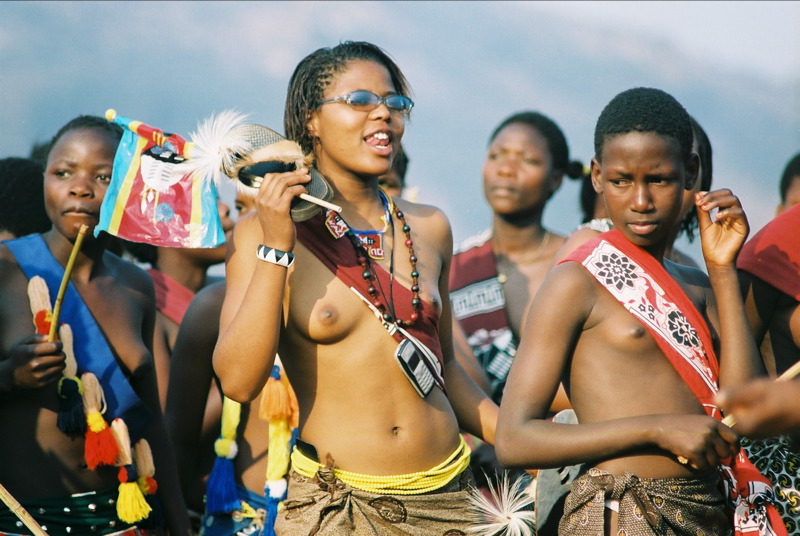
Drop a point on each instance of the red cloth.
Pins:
(477, 308)
(646, 290)
(339, 256)
(773, 254)
(172, 298)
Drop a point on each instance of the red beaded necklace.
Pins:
(374, 288)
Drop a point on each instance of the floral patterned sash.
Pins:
(642, 285)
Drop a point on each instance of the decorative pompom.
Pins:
(143, 458)
(278, 399)
(42, 320)
(221, 494)
(101, 446)
(71, 416)
(131, 504)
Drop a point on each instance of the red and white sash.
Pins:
(642, 285)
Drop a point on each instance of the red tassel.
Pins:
(101, 448)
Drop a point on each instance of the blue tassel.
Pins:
(71, 416)
(221, 494)
(272, 516)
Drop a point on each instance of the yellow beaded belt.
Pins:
(407, 484)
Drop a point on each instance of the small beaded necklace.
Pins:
(374, 288)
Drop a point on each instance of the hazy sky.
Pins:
(172, 63)
(763, 35)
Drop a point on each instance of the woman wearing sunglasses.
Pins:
(356, 303)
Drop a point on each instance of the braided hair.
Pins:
(316, 71)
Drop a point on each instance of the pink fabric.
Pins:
(172, 298)
(773, 254)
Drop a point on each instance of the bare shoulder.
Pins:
(567, 283)
(130, 276)
(573, 242)
(8, 264)
(427, 221)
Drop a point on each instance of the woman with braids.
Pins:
(357, 305)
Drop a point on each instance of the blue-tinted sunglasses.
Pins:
(366, 101)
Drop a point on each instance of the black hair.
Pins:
(588, 196)
(556, 141)
(791, 171)
(643, 109)
(85, 121)
(22, 209)
(689, 222)
(315, 72)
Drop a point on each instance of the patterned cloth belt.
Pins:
(83, 513)
(133, 531)
(406, 484)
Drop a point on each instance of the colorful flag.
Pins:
(154, 197)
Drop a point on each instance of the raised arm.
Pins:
(722, 238)
(252, 313)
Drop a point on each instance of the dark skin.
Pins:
(761, 408)
(120, 296)
(775, 320)
(187, 266)
(188, 418)
(636, 413)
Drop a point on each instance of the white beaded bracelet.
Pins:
(275, 256)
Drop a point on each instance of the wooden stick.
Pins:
(21, 513)
(65, 281)
(788, 374)
(320, 202)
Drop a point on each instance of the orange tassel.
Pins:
(278, 399)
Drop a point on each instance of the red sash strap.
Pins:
(646, 290)
(773, 254)
(172, 298)
(340, 258)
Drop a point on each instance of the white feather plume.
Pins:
(216, 144)
(506, 512)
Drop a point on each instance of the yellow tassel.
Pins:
(131, 504)
(225, 446)
(280, 434)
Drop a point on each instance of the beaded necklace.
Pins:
(374, 288)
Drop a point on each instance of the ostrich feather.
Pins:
(217, 144)
(505, 512)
